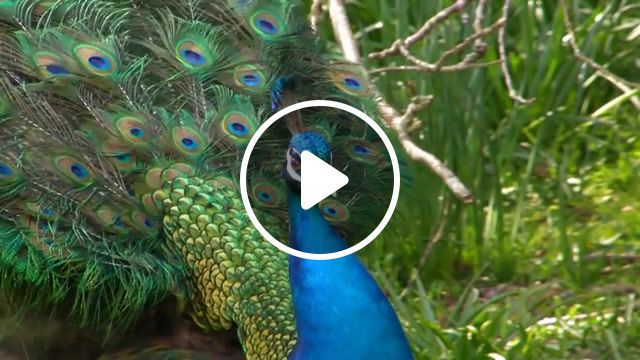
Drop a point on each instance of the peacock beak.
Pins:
(293, 165)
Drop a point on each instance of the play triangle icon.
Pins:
(318, 180)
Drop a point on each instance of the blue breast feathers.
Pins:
(340, 311)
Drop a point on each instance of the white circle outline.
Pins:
(245, 164)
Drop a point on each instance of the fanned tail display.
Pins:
(123, 124)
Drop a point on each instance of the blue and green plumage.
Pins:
(121, 128)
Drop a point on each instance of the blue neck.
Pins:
(310, 232)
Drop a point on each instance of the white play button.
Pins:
(318, 180)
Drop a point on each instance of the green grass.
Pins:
(533, 268)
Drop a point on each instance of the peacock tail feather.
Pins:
(122, 126)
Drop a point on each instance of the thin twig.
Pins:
(480, 47)
(428, 26)
(316, 13)
(476, 36)
(513, 94)
(437, 235)
(620, 83)
(447, 68)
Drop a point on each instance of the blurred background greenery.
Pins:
(545, 262)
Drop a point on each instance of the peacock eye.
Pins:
(55, 69)
(123, 157)
(352, 83)
(266, 26)
(96, 60)
(330, 211)
(189, 143)
(136, 132)
(265, 196)
(47, 211)
(117, 222)
(100, 63)
(79, 170)
(149, 223)
(5, 170)
(238, 129)
(193, 57)
(250, 80)
(359, 149)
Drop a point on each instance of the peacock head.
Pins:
(305, 141)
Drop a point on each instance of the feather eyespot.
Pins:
(55, 69)
(353, 83)
(124, 161)
(250, 80)
(349, 82)
(238, 126)
(149, 223)
(192, 57)
(136, 132)
(249, 77)
(268, 194)
(192, 54)
(117, 222)
(359, 149)
(364, 152)
(95, 60)
(133, 130)
(334, 211)
(125, 157)
(6, 171)
(143, 222)
(119, 156)
(79, 170)
(238, 129)
(266, 24)
(73, 169)
(109, 218)
(50, 65)
(188, 141)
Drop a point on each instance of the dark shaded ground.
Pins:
(160, 334)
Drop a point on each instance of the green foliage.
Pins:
(540, 264)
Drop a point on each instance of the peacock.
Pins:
(334, 291)
(123, 124)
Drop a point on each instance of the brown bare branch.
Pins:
(344, 36)
(464, 43)
(399, 123)
(428, 26)
(447, 68)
